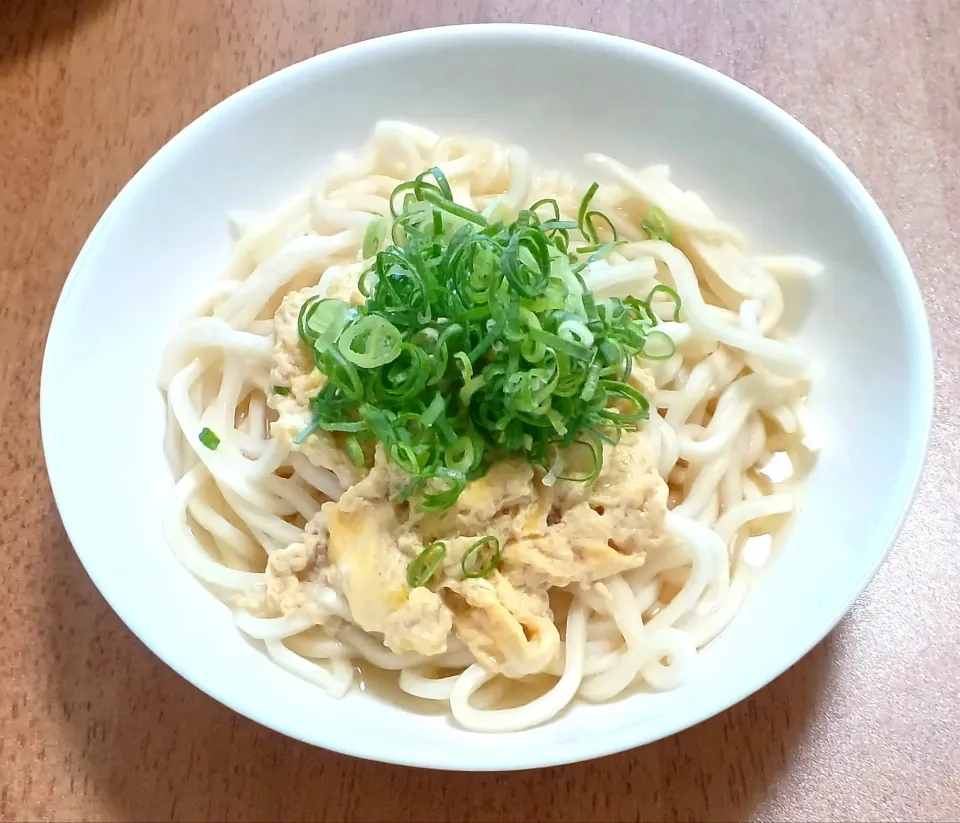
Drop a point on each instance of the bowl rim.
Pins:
(905, 284)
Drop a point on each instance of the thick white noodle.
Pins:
(271, 628)
(336, 679)
(189, 551)
(536, 711)
(321, 479)
(417, 681)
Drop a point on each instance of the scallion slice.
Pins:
(370, 342)
(424, 566)
(671, 293)
(442, 489)
(454, 208)
(209, 439)
(373, 237)
(482, 558)
(355, 451)
(658, 345)
(657, 224)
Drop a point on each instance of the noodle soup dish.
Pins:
(488, 439)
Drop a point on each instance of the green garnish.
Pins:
(479, 561)
(282, 390)
(424, 566)
(478, 341)
(209, 439)
(656, 224)
(373, 237)
(585, 222)
(592, 447)
(671, 293)
(659, 346)
(355, 451)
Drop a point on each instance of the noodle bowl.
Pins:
(727, 432)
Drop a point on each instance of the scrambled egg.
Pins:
(568, 534)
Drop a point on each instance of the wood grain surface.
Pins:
(94, 727)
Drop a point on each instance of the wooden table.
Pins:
(93, 726)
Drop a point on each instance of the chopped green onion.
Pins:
(453, 208)
(658, 345)
(479, 560)
(209, 439)
(558, 225)
(340, 372)
(484, 344)
(465, 365)
(441, 179)
(324, 320)
(478, 341)
(307, 430)
(354, 451)
(586, 227)
(588, 219)
(373, 237)
(657, 224)
(590, 384)
(548, 201)
(342, 426)
(306, 310)
(471, 387)
(282, 390)
(453, 483)
(463, 454)
(402, 189)
(557, 343)
(598, 252)
(627, 392)
(379, 338)
(595, 449)
(433, 411)
(424, 566)
(671, 293)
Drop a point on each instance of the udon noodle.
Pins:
(727, 426)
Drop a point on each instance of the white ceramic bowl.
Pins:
(561, 93)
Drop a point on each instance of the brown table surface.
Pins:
(93, 726)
